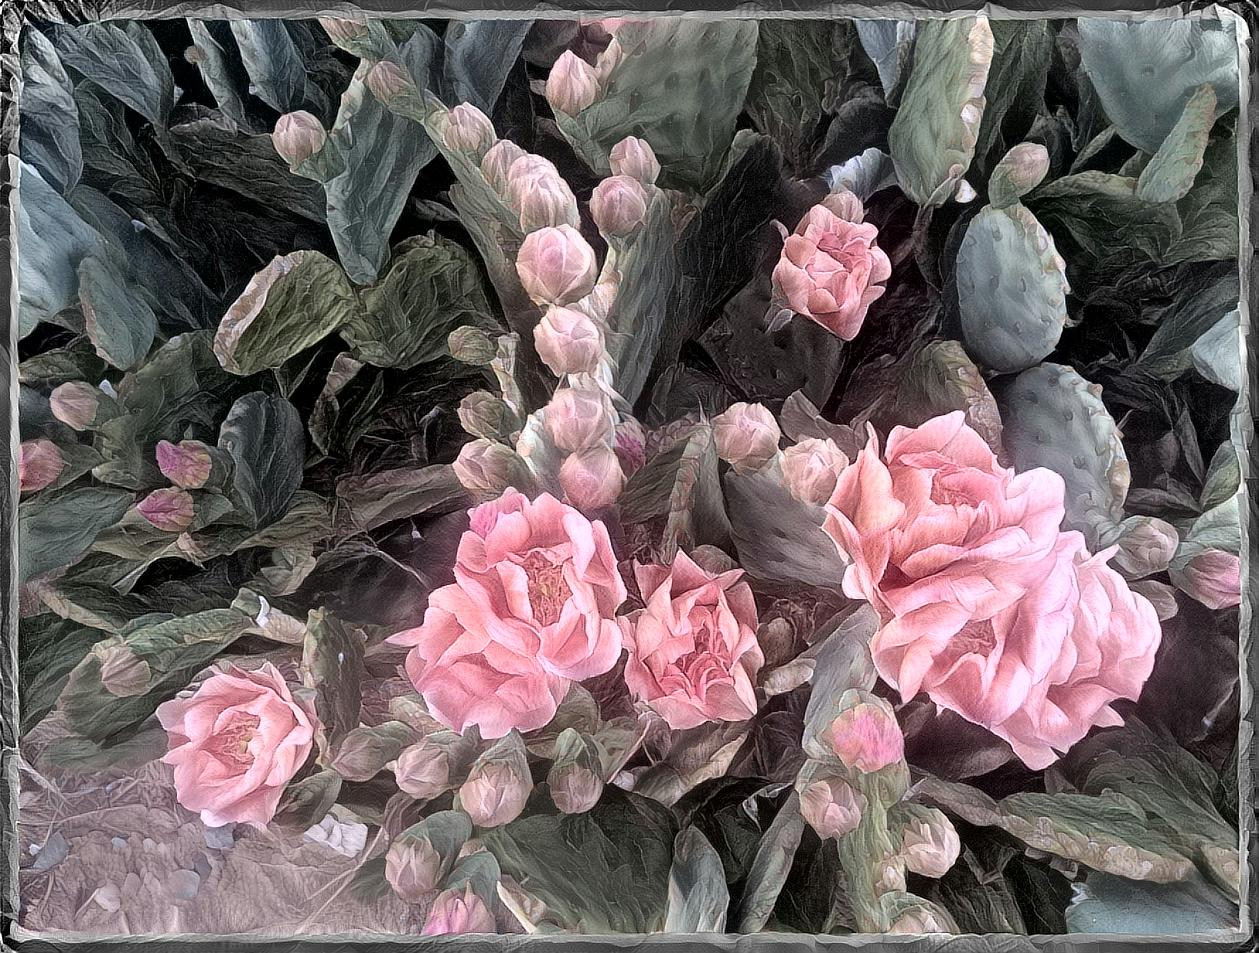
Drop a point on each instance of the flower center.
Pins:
(231, 745)
(976, 637)
(947, 495)
(548, 590)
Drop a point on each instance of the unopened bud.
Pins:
(635, 158)
(574, 779)
(592, 478)
(170, 509)
(498, 784)
(123, 673)
(423, 770)
(39, 464)
(929, 842)
(298, 136)
(81, 406)
(497, 163)
(412, 868)
(388, 82)
(747, 436)
(469, 130)
(487, 468)
(482, 414)
(556, 265)
(568, 341)
(1022, 169)
(577, 418)
(618, 205)
(458, 911)
(810, 469)
(831, 806)
(1146, 546)
(572, 84)
(846, 205)
(631, 444)
(1212, 576)
(187, 464)
(471, 345)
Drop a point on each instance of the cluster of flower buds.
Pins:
(581, 422)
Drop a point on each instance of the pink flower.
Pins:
(412, 868)
(746, 435)
(634, 157)
(556, 265)
(618, 205)
(186, 464)
(1213, 577)
(811, 467)
(572, 84)
(494, 794)
(469, 130)
(693, 653)
(458, 911)
(1040, 672)
(592, 478)
(537, 191)
(830, 269)
(831, 807)
(39, 464)
(298, 136)
(568, 341)
(235, 743)
(940, 530)
(866, 737)
(929, 843)
(532, 609)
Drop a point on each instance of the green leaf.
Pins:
(1109, 904)
(120, 324)
(275, 66)
(939, 379)
(1109, 832)
(49, 119)
(264, 436)
(292, 303)
(605, 871)
(1209, 211)
(698, 896)
(374, 499)
(1015, 92)
(122, 57)
(770, 867)
(432, 287)
(54, 531)
(332, 668)
(1169, 175)
(49, 648)
(843, 662)
(307, 802)
(220, 69)
(1205, 296)
(932, 139)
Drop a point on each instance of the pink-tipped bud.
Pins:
(412, 868)
(169, 509)
(634, 157)
(572, 84)
(186, 464)
(342, 31)
(747, 436)
(575, 789)
(568, 341)
(866, 737)
(469, 130)
(1212, 576)
(39, 464)
(929, 842)
(298, 136)
(556, 265)
(388, 81)
(831, 807)
(618, 205)
(458, 911)
(631, 444)
(810, 469)
(80, 406)
(592, 478)
(497, 163)
(423, 770)
(578, 418)
(487, 468)
(494, 794)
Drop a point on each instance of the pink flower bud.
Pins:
(459, 911)
(539, 194)
(1213, 577)
(556, 265)
(388, 81)
(423, 770)
(498, 161)
(123, 673)
(297, 137)
(342, 31)
(618, 205)
(810, 469)
(494, 794)
(471, 345)
(592, 478)
(186, 464)
(831, 807)
(577, 418)
(929, 843)
(575, 789)
(631, 444)
(747, 436)
(412, 868)
(79, 405)
(918, 921)
(866, 736)
(39, 464)
(1145, 544)
(572, 84)
(170, 509)
(488, 468)
(634, 157)
(568, 341)
(469, 130)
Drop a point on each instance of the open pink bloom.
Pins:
(693, 653)
(830, 269)
(532, 609)
(940, 529)
(235, 743)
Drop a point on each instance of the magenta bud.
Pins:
(39, 464)
(618, 205)
(866, 736)
(572, 84)
(631, 444)
(170, 509)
